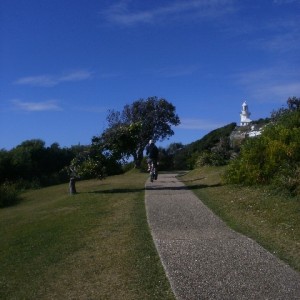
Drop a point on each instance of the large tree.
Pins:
(130, 130)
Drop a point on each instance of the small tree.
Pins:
(86, 166)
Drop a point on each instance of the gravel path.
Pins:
(203, 258)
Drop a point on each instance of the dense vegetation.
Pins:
(272, 158)
(32, 164)
(212, 149)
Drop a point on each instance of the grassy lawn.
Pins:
(93, 245)
(271, 220)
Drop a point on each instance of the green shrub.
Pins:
(207, 158)
(9, 194)
(272, 158)
(127, 167)
(287, 179)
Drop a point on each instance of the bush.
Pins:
(127, 167)
(207, 158)
(9, 194)
(272, 158)
(144, 165)
(287, 180)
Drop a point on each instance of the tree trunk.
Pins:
(72, 186)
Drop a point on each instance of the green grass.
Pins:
(93, 245)
(272, 220)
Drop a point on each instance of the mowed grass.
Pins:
(93, 245)
(271, 220)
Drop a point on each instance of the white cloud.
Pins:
(280, 36)
(36, 106)
(276, 33)
(52, 80)
(275, 92)
(279, 2)
(43, 80)
(122, 14)
(270, 84)
(76, 76)
(281, 42)
(198, 124)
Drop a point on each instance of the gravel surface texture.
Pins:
(205, 259)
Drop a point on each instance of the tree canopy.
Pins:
(130, 130)
(32, 161)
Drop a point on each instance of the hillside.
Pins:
(187, 156)
(211, 139)
(225, 141)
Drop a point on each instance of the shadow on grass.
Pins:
(191, 180)
(155, 187)
(203, 186)
(178, 188)
(117, 191)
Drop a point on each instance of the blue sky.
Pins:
(65, 63)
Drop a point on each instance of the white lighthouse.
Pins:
(245, 114)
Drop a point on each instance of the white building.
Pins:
(245, 114)
(254, 132)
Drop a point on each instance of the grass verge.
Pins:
(93, 245)
(272, 220)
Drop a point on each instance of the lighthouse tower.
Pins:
(245, 114)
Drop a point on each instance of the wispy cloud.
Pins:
(270, 84)
(285, 1)
(276, 92)
(276, 33)
(42, 80)
(36, 106)
(76, 76)
(280, 36)
(122, 14)
(52, 80)
(198, 124)
(282, 42)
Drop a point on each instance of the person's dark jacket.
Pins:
(152, 151)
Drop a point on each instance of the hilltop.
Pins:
(218, 146)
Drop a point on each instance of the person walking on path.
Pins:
(203, 258)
